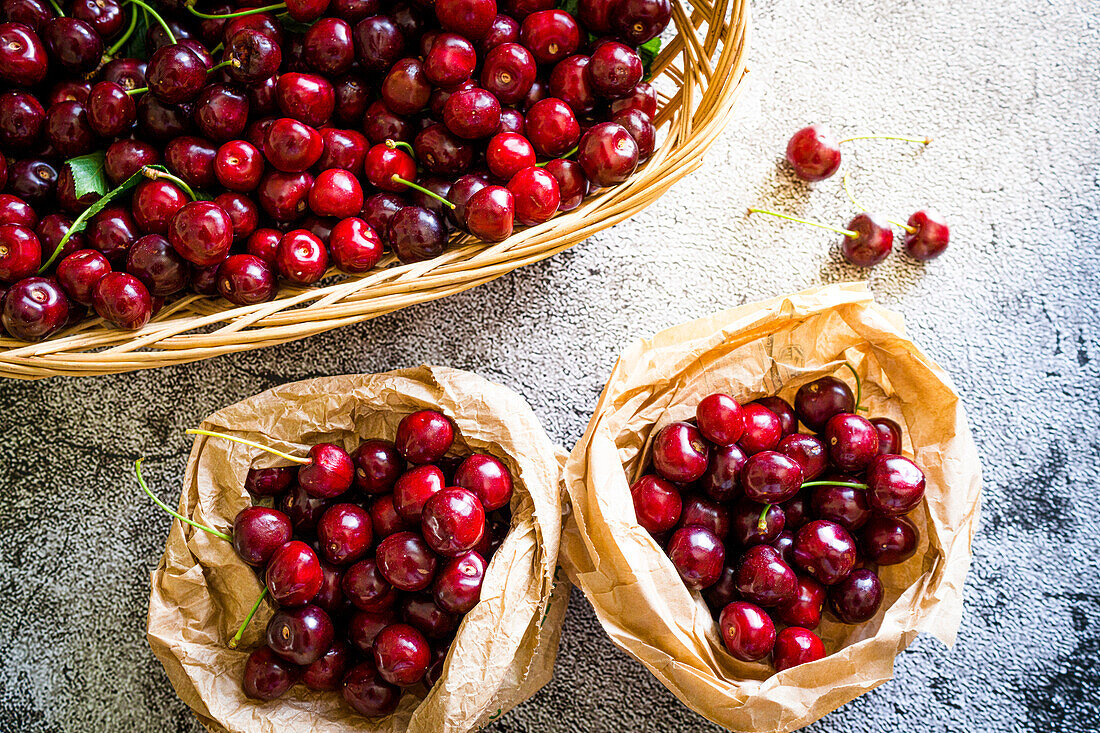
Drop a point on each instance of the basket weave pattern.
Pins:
(705, 63)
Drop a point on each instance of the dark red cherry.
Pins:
(284, 195)
(154, 204)
(722, 480)
(30, 13)
(745, 528)
(329, 472)
(698, 556)
(807, 451)
(303, 509)
(814, 153)
(461, 192)
(643, 98)
(896, 485)
(355, 246)
(470, 18)
(336, 192)
(472, 113)
(719, 419)
(243, 213)
(638, 21)
(535, 195)
(73, 44)
(487, 478)
(254, 56)
(367, 693)
(111, 111)
(764, 578)
(300, 635)
(366, 588)
(23, 60)
(424, 436)
(221, 112)
(263, 243)
(328, 47)
(401, 654)
(608, 154)
(723, 592)
(152, 260)
(442, 152)
(817, 401)
(379, 43)
(804, 609)
(52, 229)
(34, 309)
(327, 672)
(301, 257)
(450, 61)
(268, 481)
(770, 477)
(595, 16)
(747, 631)
(505, 29)
(825, 550)
(457, 586)
(127, 73)
(293, 574)
(795, 646)
(873, 240)
(413, 488)
(20, 252)
(490, 214)
(344, 533)
(34, 180)
(852, 441)
(268, 676)
(700, 512)
(22, 119)
(452, 521)
(508, 72)
(192, 159)
(202, 233)
(352, 99)
(856, 598)
(572, 182)
(570, 82)
(796, 511)
(615, 69)
(552, 128)
(378, 465)
(927, 235)
(416, 233)
(79, 272)
(292, 146)
(383, 163)
(204, 281)
(159, 121)
(421, 612)
(763, 429)
(406, 88)
(680, 453)
(841, 504)
(122, 300)
(889, 435)
(888, 540)
(175, 74)
(783, 410)
(406, 561)
(126, 157)
(551, 35)
(68, 129)
(385, 518)
(306, 97)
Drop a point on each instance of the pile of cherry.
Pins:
(373, 558)
(262, 145)
(770, 523)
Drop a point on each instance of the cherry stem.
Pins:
(251, 11)
(838, 230)
(243, 441)
(859, 387)
(921, 140)
(57, 8)
(177, 515)
(125, 36)
(848, 484)
(139, 90)
(762, 523)
(156, 17)
(219, 47)
(861, 207)
(395, 144)
(226, 62)
(563, 157)
(153, 174)
(236, 640)
(398, 179)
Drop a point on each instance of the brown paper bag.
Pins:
(760, 349)
(505, 647)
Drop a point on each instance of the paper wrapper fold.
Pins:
(505, 648)
(766, 348)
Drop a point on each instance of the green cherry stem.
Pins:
(251, 11)
(219, 47)
(395, 144)
(762, 523)
(848, 484)
(222, 64)
(416, 187)
(139, 90)
(153, 174)
(157, 18)
(177, 515)
(57, 8)
(125, 36)
(859, 388)
(921, 140)
(236, 640)
(243, 441)
(566, 155)
(861, 207)
(838, 230)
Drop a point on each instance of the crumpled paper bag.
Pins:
(772, 347)
(201, 591)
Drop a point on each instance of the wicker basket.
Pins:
(704, 64)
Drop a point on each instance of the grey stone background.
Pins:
(1010, 92)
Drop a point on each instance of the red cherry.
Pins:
(719, 419)
(551, 35)
(508, 153)
(414, 488)
(293, 574)
(301, 257)
(123, 300)
(336, 192)
(657, 504)
(258, 532)
(292, 146)
(452, 521)
(383, 163)
(551, 127)
(79, 272)
(535, 195)
(329, 472)
(490, 214)
(201, 232)
(488, 478)
(20, 252)
(747, 631)
(245, 279)
(572, 182)
(355, 246)
(795, 646)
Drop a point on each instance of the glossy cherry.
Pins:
(488, 478)
(34, 309)
(470, 18)
(722, 479)
(657, 504)
(79, 272)
(201, 232)
(841, 504)
(552, 127)
(258, 532)
(608, 154)
(406, 561)
(472, 113)
(763, 429)
(268, 481)
(698, 511)
(20, 252)
(535, 195)
(764, 578)
(680, 453)
(896, 485)
(551, 35)
(719, 419)
(745, 527)
(329, 471)
(73, 44)
(344, 533)
(327, 672)
(638, 21)
(814, 153)
(175, 74)
(245, 279)
(508, 72)
(698, 555)
(110, 109)
(856, 598)
(804, 609)
(615, 69)
(154, 204)
(367, 693)
(817, 401)
(306, 97)
(508, 153)
(457, 586)
(300, 635)
(401, 654)
(452, 521)
(889, 435)
(301, 257)
(926, 235)
(268, 676)
(254, 56)
(294, 574)
(122, 300)
(490, 213)
(870, 240)
(852, 441)
(889, 540)
(825, 550)
(770, 477)
(572, 182)
(747, 631)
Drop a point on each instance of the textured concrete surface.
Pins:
(1010, 92)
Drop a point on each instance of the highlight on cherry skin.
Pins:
(780, 513)
(333, 539)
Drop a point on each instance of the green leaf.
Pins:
(293, 26)
(135, 44)
(570, 6)
(648, 52)
(88, 173)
